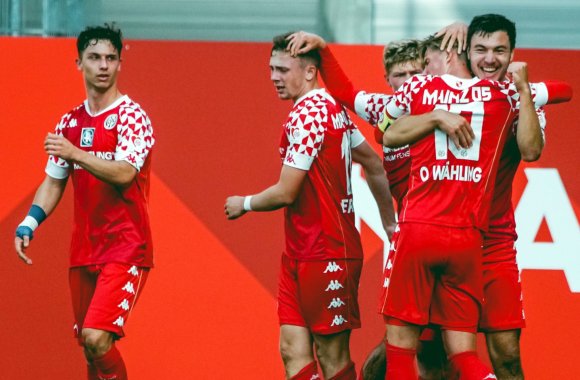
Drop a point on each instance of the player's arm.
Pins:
(378, 184)
(411, 128)
(119, 173)
(335, 80)
(282, 194)
(529, 134)
(45, 201)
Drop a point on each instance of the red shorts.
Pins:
(435, 277)
(502, 289)
(320, 295)
(104, 295)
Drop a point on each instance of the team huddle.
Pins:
(461, 118)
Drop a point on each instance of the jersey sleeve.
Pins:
(371, 107)
(56, 167)
(336, 81)
(135, 137)
(305, 135)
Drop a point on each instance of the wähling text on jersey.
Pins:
(468, 95)
(449, 172)
(109, 156)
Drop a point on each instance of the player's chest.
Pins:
(94, 134)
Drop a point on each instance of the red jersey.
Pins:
(317, 137)
(502, 224)
(371, 108)
(111, 224)
(449, 186)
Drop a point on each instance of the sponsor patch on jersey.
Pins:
(87, 136)
(111, 121)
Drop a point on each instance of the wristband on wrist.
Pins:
(36, 215)
(247, 203)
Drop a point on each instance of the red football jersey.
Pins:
(111, 224)
(317, 137)
(449, 186)
(502, 224)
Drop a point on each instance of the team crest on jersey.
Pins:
(111, 122)
(87, 136)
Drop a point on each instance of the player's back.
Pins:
(450, 186)
(317, 137)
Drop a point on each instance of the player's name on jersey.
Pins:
(468, 95)
(109, 156)
(449, 172)
(340, 120)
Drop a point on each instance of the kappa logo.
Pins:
(386, 283)
(87, 135)
(332, 267)
(119, 322)
(336, 303)
(129, 288)
(124, 305)
(111, 122)
(389, 264)
(133, 271)
(290, 158)
(338, 320)
(334, 285)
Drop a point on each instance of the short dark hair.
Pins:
(280, 43)
(107, 32)
(491, 23)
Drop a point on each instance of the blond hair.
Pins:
(401, 51)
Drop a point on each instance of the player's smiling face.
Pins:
(490, 55)
(100, 63)
(289, 75)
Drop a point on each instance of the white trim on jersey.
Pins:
(356, 138)
(113, 105)
(317, 91)
(56, 171)
(298, 161)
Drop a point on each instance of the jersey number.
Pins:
(443, 143)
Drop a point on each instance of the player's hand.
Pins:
(451, 33)
(390, 230)
(456, 127)
(59, 146)
(518, 73)
(21, 243)
(303, 42)
(234, 207)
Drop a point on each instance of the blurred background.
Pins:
(540, 23)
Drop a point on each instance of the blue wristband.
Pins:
(37, 213)
(23, 231)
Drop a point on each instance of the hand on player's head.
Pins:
(452, 33)
(302, 42)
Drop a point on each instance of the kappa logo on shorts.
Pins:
(124, 305)
(87, 135)
(386, 283)
(389, 264)
(332, 267)
(133, 271)
(338, 320)
(334, 285)
(111, 122)
(129, 287)
(119, 322)
(336, 303)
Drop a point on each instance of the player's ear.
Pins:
(78, 63)
(311, 72)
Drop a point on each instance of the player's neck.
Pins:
(99, 101)
(309, 87)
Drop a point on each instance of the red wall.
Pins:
(208, 310)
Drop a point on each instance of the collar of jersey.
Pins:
(110, 107)
(453, 81)
(317, 91)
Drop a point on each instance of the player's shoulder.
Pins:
(315, 103)
(128, 108)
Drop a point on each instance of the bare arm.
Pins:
(378, 184)
(47, 197)
(282, 194)
(529, 134)
(411, 128)
(119, 173)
